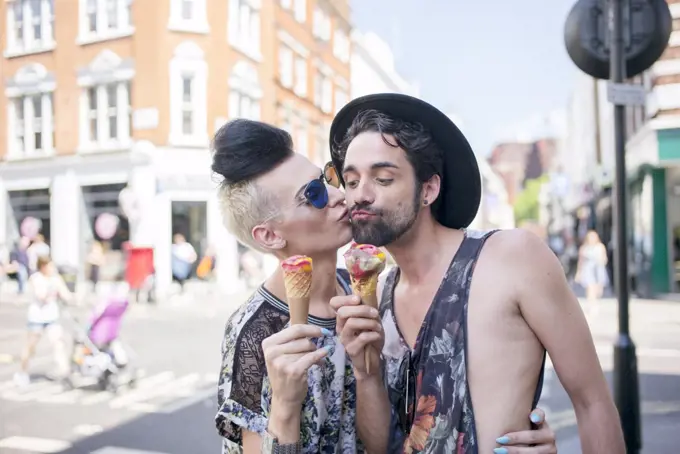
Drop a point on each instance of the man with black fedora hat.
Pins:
(466, 317)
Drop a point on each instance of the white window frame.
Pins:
(245, 92)
(29, 44)
(102, 30)
(189, 59)
(302, 143)
(300, 71)
(244, 28)
(104, 141)
(321, 27)
(29, 127)
(32, 80)
(341, 45)
(300, 10)
(105, 71)
(326, 95)
(341, 98)
(321, 153)
(198, 23)
(286, 66)
(323, 87)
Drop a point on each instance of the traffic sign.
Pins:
(626, 94)
(647, 26)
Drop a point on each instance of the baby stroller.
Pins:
(98, 352)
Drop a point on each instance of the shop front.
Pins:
(654, 157)
(28, 214)
(102, 246)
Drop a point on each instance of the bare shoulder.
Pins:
(523, 258)
(520, 245)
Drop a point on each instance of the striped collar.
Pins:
(282, 306)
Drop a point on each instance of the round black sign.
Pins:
(647, 26)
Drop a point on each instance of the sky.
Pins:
(499, 66)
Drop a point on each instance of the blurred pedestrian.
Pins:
(591, 271)
(19, 263)
(38, 248)
(183, 258)
(46, 287)
(95, 259)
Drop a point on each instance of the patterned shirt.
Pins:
(428, 389)
(244, 391)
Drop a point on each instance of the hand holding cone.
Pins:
(297, 277)
(365, 262)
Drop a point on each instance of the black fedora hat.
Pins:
(461, 187)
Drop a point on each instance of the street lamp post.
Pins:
(594, 37)
(626, 390)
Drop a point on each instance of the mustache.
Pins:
(366, 208)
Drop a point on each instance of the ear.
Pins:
(431, 190)
(267, 238)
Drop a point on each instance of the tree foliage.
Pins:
(527, 204)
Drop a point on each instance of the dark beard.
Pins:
(388, 227)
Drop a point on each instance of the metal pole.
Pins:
(626, 393)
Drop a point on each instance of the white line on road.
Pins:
(189, 401)
(68, 397)
(33, 391)
(117, 450)
(35, 445)
(169, 388)
(97, 398)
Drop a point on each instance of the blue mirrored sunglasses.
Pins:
(316, 192)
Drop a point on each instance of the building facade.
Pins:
(653, 168)
(114, 105)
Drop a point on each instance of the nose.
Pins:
(335, 197)
(362, 194)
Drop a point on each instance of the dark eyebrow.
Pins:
(375, 166)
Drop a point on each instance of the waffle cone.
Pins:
(298, 286)
(367, 289)
(298, 283)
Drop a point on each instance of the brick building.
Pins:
(516, 162)
(110, 97)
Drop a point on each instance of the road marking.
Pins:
(641, 352)
(97, 398)
(35, 445)
(87, 430)
(117, 450)
(142, 389)
(32, 391)
(159, 393)
(167, 388)
(68, 397)
(189, 401)
(567, 418)
(6, 358)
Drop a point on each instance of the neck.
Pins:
(324, 284)
(423, 248)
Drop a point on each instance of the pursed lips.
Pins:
(362, 214)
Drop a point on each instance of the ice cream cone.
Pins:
(365, 262)
(297, 278)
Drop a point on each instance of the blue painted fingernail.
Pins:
(330, 349)
(500, 451)
(503, 440)
(535, 418)
(326, 332)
